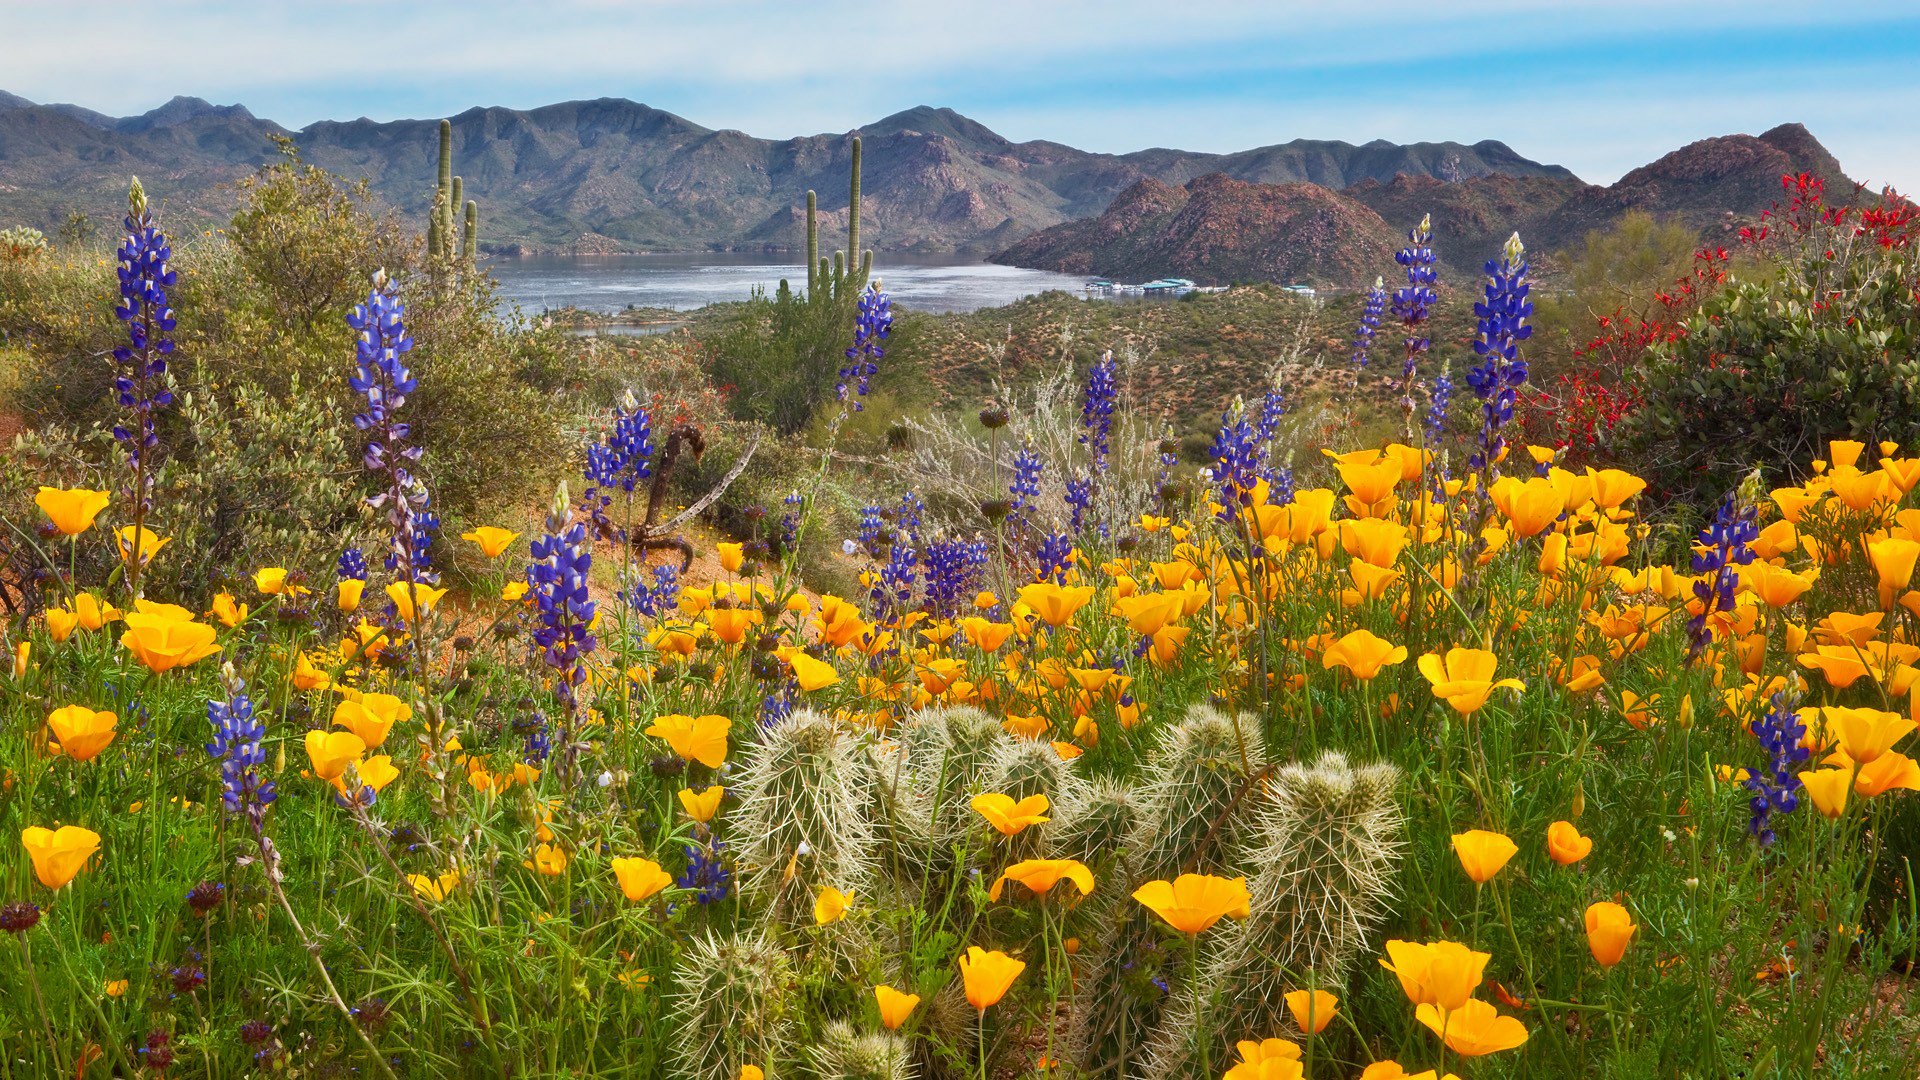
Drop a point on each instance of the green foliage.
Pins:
(781, 355)
(1616, 270)
(258, 462)
(1815, 346)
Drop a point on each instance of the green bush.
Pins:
(1815, 341)
(260, 461)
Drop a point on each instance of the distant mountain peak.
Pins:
(182, 109)
(932, 120)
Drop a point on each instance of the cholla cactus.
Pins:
(938, 761)
(844, 1054)
(1199, 794)
(1195, 812)
(730, 1007)
(804, 819)
(1021, 768)
(1328, 844)
(1099, 821)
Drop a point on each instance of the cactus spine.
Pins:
(1195, 808)
(813, 242)
(805, 819)
(843, 1054)
(1328, 844)
(731, 1007)
(853, 204)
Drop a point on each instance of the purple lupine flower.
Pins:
(562, 560)
(789, 533)
(353, 565)
(1079, 499)
(1169, 456)
(618, 462)
(237, 736)
(1096, 410)
(1438, 401)
(873, 524)
(1726, 542)
(706, 873)
(662, 595)
(1238, 458)
(1503, 326)
(955, 570)
(141, 365)
(893, 590)
(1777, 789)
(778, 704)
(1025, 487)
(1054, 557)
(1413, 302)
(537, 743)
(872, 322)
(383, 379)
(1371, 311)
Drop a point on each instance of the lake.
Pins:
(608, 283)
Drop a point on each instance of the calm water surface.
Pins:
(608, 283)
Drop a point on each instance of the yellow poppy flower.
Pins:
(702, 739)
(58, 855)
(1192, 903)
(1483, 853)
(72, 510)
(1008, 816)
(81, 732)
(895, 1007)
(640, 878)
(987, 976)
(831, 906)
(163, 643)
(1041, 875)
(492, 540)
(701, 807)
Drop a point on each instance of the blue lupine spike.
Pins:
(873, 321)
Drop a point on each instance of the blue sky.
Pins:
(1598, 87)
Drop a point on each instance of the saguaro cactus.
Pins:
(845, 274)
(452, 243)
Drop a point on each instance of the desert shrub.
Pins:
(1817, 340)
(779, 357)
(251, 458)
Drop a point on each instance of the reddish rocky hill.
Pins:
(1218, 230)
(1278, 232)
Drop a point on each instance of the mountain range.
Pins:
(1214, 229)
(612, 174)
(615, 175)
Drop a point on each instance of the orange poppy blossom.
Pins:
(702, 806)
(1483, 853)
(80, 732)
(1565, 844)
(163, 642)
(1609, 928)
(1463, 678)
(987, 976)
(1472, 1029)
(1313, 1010)
(701, 738)
(1192, 903)
(71, 510)
(1443, 974)
(1007, 816)
(895, 1007)
(1041, 875)
(58, 855)
(1363, 654)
